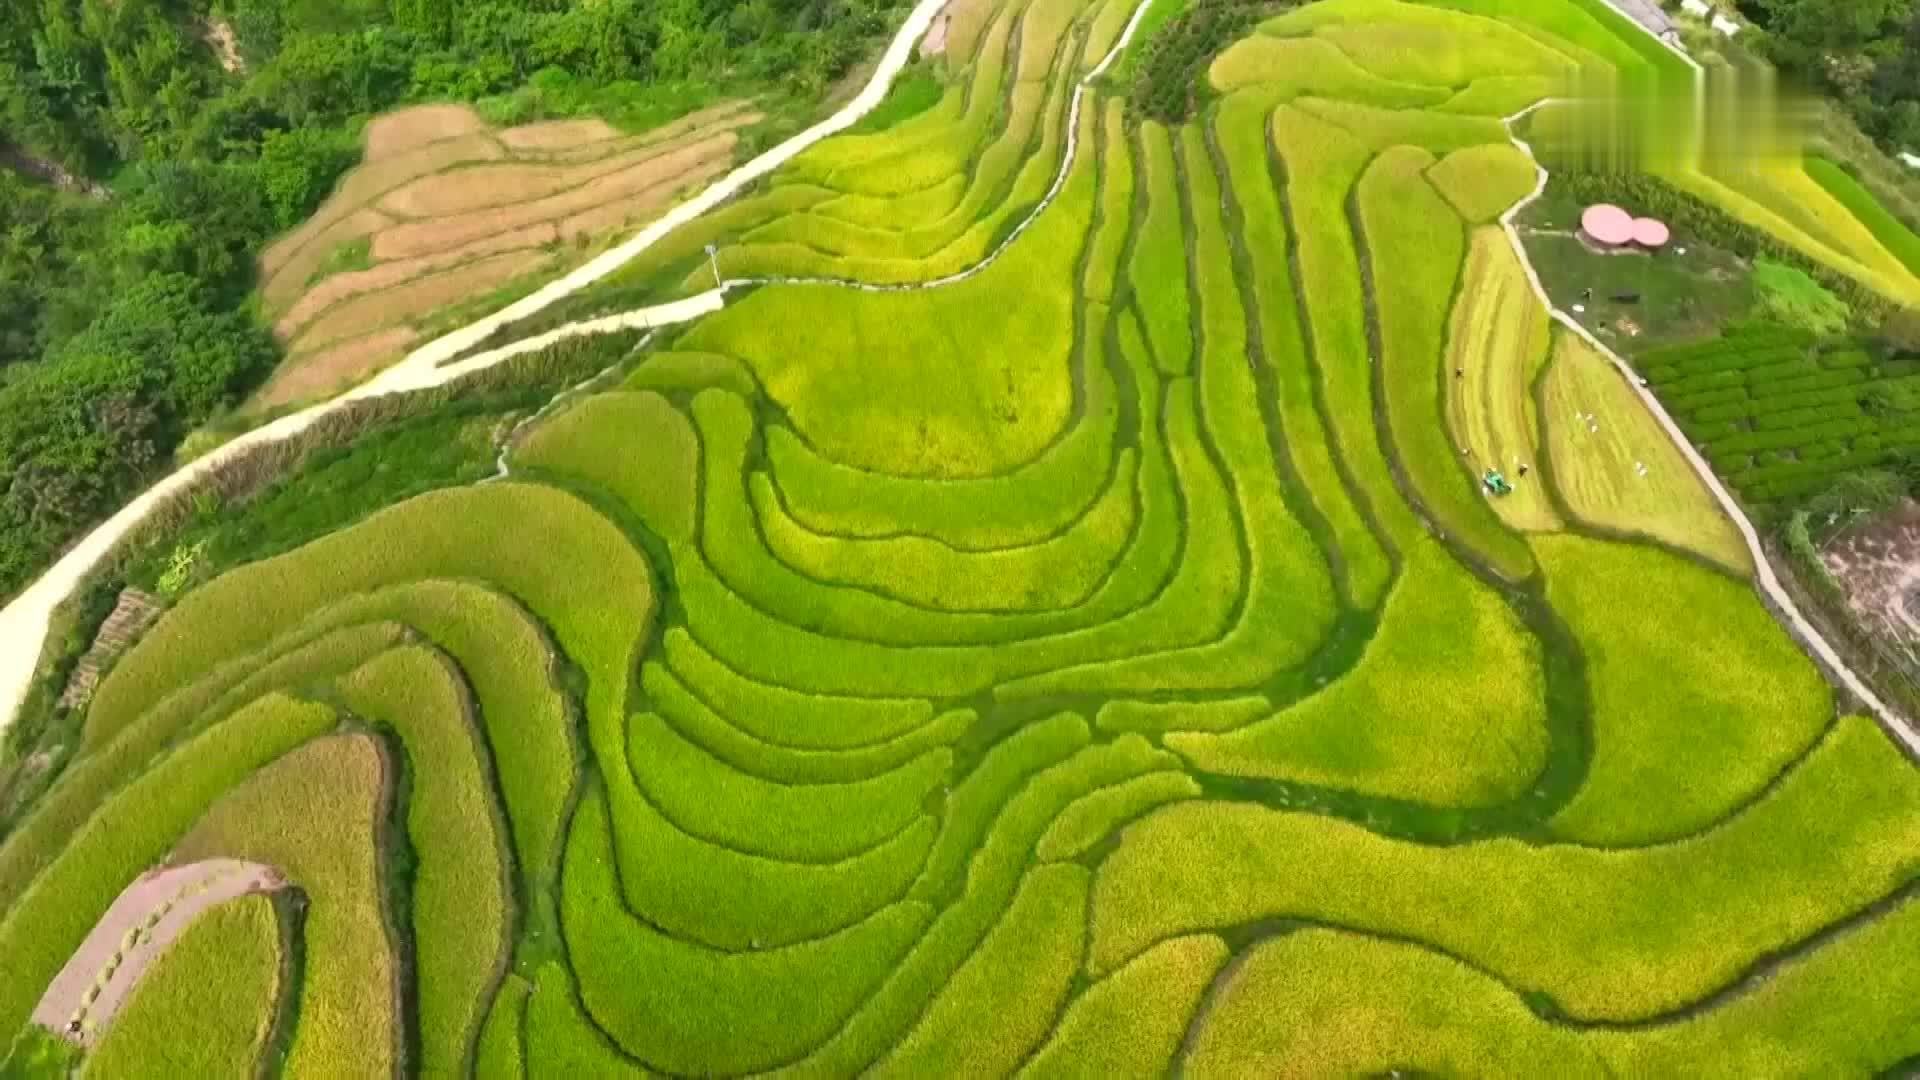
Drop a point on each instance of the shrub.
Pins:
(1790, 296)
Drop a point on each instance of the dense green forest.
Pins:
(204, 127)
(1864, 53)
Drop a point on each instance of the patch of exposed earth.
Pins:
(144, 921)
(1877, 564)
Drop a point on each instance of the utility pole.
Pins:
(713, 257)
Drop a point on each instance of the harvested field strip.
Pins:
(1354, 999)
(1614, 466)
(1604, 935)
(416, 297)
(320, 814)
(1292, 67)
(1451, 690)
(1747, 700)
(1132, 1022)
(562, 134)
(280, 289)
(342, 286)
(117, 755)
(462, 895)
(409, 129)
(1416, 246)
(1497, 345)
(207, 1007)
(357, 189)
(142, 924)
(129, 834)
(651, 181)
(706, 1011)
(334, 368)
(1323, 163)
(455, 192)
(1263, 246)
(1158, 272)
(706, 798)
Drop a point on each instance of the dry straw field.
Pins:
(443, 210)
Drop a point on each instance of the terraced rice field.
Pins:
(443, 208)
(1108, 663)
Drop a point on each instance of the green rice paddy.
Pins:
(1108, 664)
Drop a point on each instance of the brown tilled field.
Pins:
(442, 208)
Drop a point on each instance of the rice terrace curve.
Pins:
(1089, 576)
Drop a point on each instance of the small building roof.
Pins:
(1607, 224)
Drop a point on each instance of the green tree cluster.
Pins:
(1865, 53)
(181, 135)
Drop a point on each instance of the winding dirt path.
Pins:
(144, 921)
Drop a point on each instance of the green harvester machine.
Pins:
(1496, 484)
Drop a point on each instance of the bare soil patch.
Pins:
(1878, 566)
(418, 297)
(646, 182)
(405, 129)
(286, 285)
(320, 374)
(337, 287)
(558, 134)
(144, 921)
(368, 182)
(218, 34)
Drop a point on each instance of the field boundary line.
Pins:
(24, 621)
(1897, 726)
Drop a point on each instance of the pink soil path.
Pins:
(144, 921)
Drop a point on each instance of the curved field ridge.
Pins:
(1043, 674)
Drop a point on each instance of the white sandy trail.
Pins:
(23, 623)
